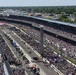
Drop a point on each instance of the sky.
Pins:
(37, 2)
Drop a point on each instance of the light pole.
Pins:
(41, 39)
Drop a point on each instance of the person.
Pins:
(67, 71)
(34, 70)
(30, 52)
(37, 74)
(44, 61)
(37, 71)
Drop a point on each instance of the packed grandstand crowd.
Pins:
(60, 29)
(64, 45)
(57, 60)
(68, 48)
(4, 49)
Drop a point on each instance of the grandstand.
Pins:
(61, 35)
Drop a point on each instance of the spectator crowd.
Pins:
(5, 50)
(57, 60)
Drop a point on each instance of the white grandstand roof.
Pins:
(54, 21)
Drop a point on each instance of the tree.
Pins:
(63, 18)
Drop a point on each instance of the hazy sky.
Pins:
(37, 2)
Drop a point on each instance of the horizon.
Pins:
(31, 3)
(40, 6)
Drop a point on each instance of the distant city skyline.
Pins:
(7, 3)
